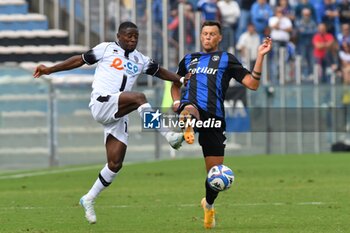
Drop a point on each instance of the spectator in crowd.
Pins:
(281, 27)
(175, 3)
(305, 4)
(173, 27)
(193, 2)
(344, 12)
(287, 9)
(230, 12)
(209, 9)
(322, 42)
(247, 46)
(157, 15)
(261, 11)
(333, 60)
(293, 3)
(140, 6)
(189, 25)
(245, 18)
(344, 36)
(329, 16)
(305, 30)
(344, 56)
(317, 5)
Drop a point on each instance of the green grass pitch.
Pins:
(271, 194)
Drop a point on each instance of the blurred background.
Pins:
(301, 106)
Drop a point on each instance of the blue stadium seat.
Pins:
(13, 7)
(23, 22)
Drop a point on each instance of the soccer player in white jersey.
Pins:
(119, 64)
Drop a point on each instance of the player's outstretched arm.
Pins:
(71, 63)
(170, 76)
(252, 81)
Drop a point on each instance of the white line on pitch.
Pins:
(41, 173)
(170, 206)
(58, 171)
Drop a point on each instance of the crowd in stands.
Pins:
(318, 30)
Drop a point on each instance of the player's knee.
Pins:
(115, 166)
(192, 110)
(140, 98)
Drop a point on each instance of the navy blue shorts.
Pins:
(212, 139)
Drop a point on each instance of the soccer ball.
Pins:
(220, 177)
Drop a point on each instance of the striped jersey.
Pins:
(211, 74)
(117, 70)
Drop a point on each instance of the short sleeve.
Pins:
(235, 69)
(95, 54)
(181, 70)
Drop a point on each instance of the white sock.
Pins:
(144, 107)
(104, 179)
(147, 107)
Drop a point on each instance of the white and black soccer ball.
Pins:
(220, 177)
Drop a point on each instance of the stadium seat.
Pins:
(39, 53)
(26, 39)
(23, 22)
(13, 7)
(33, 37)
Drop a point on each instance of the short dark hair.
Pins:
(126, 25)
(211, 23)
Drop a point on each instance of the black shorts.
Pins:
(212, 139)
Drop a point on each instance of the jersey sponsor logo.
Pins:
(129, 67)
(203, 70)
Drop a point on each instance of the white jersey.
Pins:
(116, 69)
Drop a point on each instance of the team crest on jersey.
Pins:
(215, 58)
(136, 59)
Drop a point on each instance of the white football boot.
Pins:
(175, 139)
(88, 206)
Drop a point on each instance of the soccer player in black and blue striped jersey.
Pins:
(203, 99)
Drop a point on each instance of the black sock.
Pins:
(210, 194)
